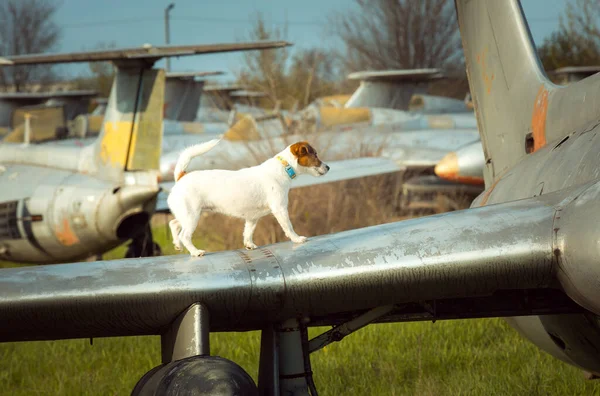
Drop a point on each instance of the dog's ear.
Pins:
(299, 149)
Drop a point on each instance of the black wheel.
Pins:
(196, 375)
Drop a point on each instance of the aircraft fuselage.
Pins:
(52, 215)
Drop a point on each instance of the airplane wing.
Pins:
(496, 260)
(140, 53)
(340, 170)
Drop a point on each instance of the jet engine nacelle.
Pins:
(53, 215)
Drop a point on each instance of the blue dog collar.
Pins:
(288, 168)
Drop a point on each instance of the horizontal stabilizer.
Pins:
(27, 96)
(191, 75)
(390, 89)
(149, 53)
(397, 75)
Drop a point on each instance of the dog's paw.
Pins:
(197, 253)
(299, 239)
(250, 246)
(178, 247)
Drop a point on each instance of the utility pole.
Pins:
(167, 38)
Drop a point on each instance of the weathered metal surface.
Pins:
(538, 138)
(268, 371)
(188, 335)
(494, 34)
(182, 98)
(64, 215)
(293, 376)
(459, 254)
(464, 165)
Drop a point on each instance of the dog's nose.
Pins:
(327, 167)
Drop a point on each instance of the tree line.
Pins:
(370, 35)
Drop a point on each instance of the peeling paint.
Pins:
(113, 147)
(487, 79)
(538, 118)
(66, 236)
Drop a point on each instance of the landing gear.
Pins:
(188, 368)
(142, 245)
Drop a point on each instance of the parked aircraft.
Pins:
(525, 251)
(466, 165)
(383, 126)
(51, 113)
(67, 203)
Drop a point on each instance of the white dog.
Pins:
(248, 193)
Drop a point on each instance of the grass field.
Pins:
(471, 357)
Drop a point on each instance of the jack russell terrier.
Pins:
(248, 193)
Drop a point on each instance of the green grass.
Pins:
(471, 357)
(475, 357)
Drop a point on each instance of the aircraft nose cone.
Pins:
(447, 168)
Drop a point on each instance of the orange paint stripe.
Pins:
(538, 118)
(471, 180)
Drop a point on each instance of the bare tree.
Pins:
(577, 40)
(313, 73)
(283, 77)
(582, 18)
(398, 34)
(26, 27)
(265, 70)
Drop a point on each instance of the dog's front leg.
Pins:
(283, 218)
(249, 228)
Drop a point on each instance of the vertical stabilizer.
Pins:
(131, 134)
(182, 94)
(509, 88)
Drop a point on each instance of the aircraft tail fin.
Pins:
(131, 134)
(509, 87)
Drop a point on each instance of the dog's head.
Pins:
(307, 159)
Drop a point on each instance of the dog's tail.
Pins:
(193, 151)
